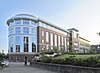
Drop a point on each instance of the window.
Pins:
(55, 40)
(68, 43)
(33, 47)
(25, 40)
(17, 58)
(47, 46)
(18, 30)
(25, 21)
(65, 45)
(34, 31)
(18, 22)
(47, 37)
(34, 43)
(11, 58)
(62, 41)
(51, 40)
(17, 48)
(42, 33)
(11, 48)
(59, 42)
(25, 30)
(17, 40)
(42, 41)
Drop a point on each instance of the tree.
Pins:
(1, 56)
(55, 49)
(70, 47)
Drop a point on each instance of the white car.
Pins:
(5, 63)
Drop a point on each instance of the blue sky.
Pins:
(81, 14)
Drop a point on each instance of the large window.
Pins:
(62, 41)
(47, 37)
(47, 40)
(18, 22)
(33, 47)
(55, 40)
(42, 41)
(25, 30)
(11, 48)
(42, 33)
(58, 40)
(25, 21)
(65, 44)
(18, 30)
(34, 44)
(25, 40)
(17, 48)
(51, 40)
(34, 31)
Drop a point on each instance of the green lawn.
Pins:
(77, 56)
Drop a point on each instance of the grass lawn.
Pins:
(83, 56)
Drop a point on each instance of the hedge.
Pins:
(88, 62)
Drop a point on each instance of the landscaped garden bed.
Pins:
(89, 60)
(70, 63)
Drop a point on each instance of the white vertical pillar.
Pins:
(30, 44)
(21, 44)
(14, 45)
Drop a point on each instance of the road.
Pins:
(20, 68)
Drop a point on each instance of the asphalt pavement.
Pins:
(19, 67)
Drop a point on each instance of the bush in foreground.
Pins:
(72, 60)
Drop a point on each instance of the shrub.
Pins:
(59, 61)
(72, 60)
(46, 59)
(92, 61)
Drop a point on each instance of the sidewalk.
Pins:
(20, 68)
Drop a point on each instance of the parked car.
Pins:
(4, 63)
(36, 58)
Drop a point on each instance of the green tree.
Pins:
(2, 55)
(55, 49)
(71, 50)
